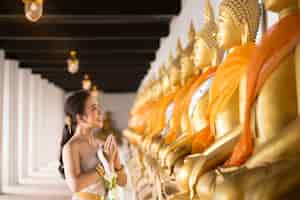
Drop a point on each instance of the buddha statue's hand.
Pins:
(282, 146)
(184, 139)
(132, 136)
(282, 183)
(182, 173)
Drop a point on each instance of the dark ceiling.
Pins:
(115, 40)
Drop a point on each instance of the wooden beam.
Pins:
(108, 62)
(111, 82)
(89, 19)
(42, 31)
(42, 67)
(91, 69)
(79, 45)
(48, 56)
(111, 7)
(84, 65)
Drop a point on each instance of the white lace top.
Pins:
(97, 188)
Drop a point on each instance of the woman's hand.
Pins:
(112, 153)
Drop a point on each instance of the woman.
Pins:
(87, 163)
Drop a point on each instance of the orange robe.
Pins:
(177, 112)
(225, 83)
(279, 41)
(158, 117)
(199, 81)
(138, 118)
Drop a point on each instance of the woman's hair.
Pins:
(74, 105)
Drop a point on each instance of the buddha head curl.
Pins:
(186, 63)
(238, 22)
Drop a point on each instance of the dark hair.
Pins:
(74, 105)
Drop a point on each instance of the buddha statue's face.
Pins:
(229, 33)
(278, 5)
(157, 89)
(174, 75)
(186, 69)
(201, 54)
(165, 83)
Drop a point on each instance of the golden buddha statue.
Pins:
(158, 112)
(272, 135)
(237, 29)
(206, 55)
(206, 45)
(169, 81)
(144, 181)
(175, 78)
(139, 124)
(187, 77)
(166, 112)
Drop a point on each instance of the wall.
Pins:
(31, 120)
(119, 105)
(1, 112)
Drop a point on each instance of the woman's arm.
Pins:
(74, 178)
(119, 168)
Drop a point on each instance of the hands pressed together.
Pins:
(112, 153)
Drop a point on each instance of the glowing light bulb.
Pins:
(95, 92)
(33, 9)
(73, 63)
(73, 66)
(86, 83)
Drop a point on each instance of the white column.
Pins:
(55, 123)
(42, 144)
(33, 124)
(53, 118)
(1, 110)
(24, 121)
(10, 125)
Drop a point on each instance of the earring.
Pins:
(68, 122)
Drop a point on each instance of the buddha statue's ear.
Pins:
(179, 48)
(215, 57)
(245, 37)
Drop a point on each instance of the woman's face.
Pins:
(93, 113)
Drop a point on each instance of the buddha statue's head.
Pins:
(146, 86)
(174, 75)
(156, 89)
(173, 71)
(186, 62)
(280, 5)
(164, 79)
(238, 22)
(206, 51)
(146, 95)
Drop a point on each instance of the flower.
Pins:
(110, 183)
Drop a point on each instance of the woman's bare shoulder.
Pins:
(73, 144)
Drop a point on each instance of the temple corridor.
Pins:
(32, 120)
(149, 100)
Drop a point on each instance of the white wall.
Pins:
(31, 120)
(119, 105)
(1, 110)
